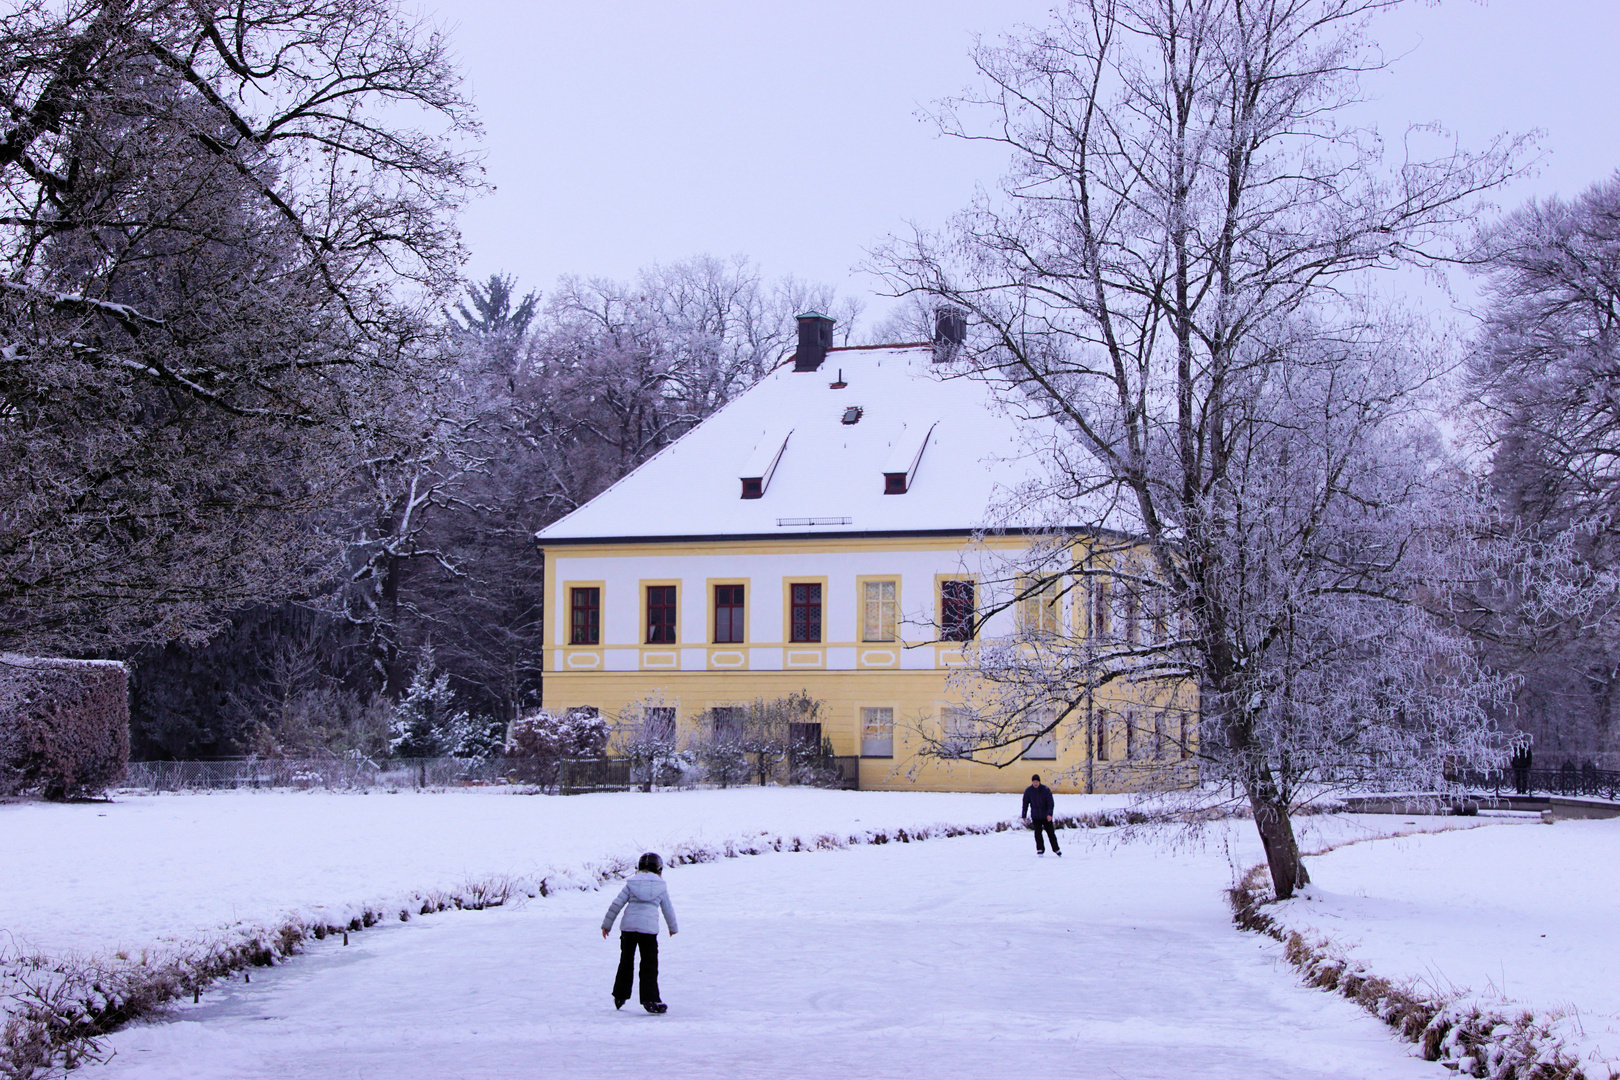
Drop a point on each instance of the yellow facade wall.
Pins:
(916, 695)
(916, 698)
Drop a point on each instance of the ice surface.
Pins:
(951, 958)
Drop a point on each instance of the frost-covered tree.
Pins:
(1546, 363)
(617, 370)
(1170, 271)
(540, 741)
(224, 226)
(496, 325)
(426, 722)
(646, 735)
(719, 747)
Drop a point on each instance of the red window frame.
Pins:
(956, 610)
(661, 611)
(805, 603)
(730, 619)
(586, 605)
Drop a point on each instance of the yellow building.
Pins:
(818, 534)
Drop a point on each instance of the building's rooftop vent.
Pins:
(853, 414)
(815, 338)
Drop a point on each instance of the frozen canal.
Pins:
(951, 958)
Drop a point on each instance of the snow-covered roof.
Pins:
(962, 453)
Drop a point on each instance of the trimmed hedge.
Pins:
(64, 725)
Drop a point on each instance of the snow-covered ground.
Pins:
(959, 957)
(1526, 916)
(144, 870)
(954, 958)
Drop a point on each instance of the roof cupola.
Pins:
(950, 331)
(815, 338)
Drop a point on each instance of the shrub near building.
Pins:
(64, 725)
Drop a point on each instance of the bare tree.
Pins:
(223, 228)
(618, 370)
(1171, 271)
(645, 734)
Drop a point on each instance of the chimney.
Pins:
(815, 338)
(950, 330)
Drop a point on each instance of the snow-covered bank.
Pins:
(1499, 919)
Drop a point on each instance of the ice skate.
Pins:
(657, 1008)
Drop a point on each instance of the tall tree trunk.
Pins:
(1276, 827)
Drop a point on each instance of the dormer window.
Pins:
(900, 471)
(761, 464)
(852, 415)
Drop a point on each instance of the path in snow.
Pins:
(951, 958)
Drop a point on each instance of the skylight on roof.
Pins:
(853, 414)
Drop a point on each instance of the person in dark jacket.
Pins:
(1038, 810)
(1520, 761)
(642, 898)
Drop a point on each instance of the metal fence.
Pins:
(1587, 781)
(346, 774)
(848, 770)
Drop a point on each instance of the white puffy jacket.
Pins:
(641, 898)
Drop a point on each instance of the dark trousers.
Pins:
(1521, 779)
(1040, 825)
(629, 942)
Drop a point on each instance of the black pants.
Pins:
(629, 941)
(1045, 825)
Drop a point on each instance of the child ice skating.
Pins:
(641, 898)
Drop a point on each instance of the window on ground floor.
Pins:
(956, 732)
(727, 722)
(1042, 747)
(877, 731)
(804, 738)
(659, 722)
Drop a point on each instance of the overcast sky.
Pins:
(623, 132)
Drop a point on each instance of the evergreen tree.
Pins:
(425, 717)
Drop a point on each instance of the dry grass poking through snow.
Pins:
(56, 1008)
(1469, 1040)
